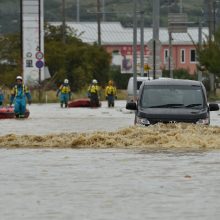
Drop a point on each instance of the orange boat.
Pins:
(8, 112)
(85, 102)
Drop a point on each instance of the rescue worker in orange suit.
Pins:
(19, 93)
(111, 94)
(93, 93)
(65, 93)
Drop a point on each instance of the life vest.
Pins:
(65, 89)
(93, 89)
(15, 90)
(110, 90)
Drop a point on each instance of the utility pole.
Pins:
(21, 35)
(210, 18)
(99, 22)
(39, 32)
(103, 11)
(142, 35)
(63, 22)
(135, 49)
(181, 6)
(200, 44)
(78, 10)
(170, 55)
(215, 4)
(156, 24)
(211, 32)
(214, 17)
(170, 66)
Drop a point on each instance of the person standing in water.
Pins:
(19, 93)
(65, 93)
(2, 97)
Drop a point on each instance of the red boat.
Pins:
(85, 102)
(8, 112)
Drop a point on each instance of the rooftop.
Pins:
(179, 82)
(113, 33)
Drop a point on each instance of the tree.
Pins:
(180, 74)
(75, 60)
(209, 54)
(10, 59)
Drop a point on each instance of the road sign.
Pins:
(150, 45)
(146, 67)
(39, 55)
(177, 22)
(28, 54)
(39, 64)
(150, 60)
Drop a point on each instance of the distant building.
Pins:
(118, 41)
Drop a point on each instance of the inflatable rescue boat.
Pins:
(8, 112)
(85, 102)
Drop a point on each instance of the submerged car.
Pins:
(172, 101)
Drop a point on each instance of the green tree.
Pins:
(75, 60)
(10, 58)
(180, 74)
(209, 54)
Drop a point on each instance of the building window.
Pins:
(182, 56)
(115, 52)
(166, 56)
(193, 56)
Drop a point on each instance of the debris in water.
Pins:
(187, 176)
(157, 137)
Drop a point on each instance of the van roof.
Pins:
(173, 82)
(141, 78)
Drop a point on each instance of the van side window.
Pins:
(139, 84)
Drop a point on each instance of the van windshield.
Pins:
(172, 96)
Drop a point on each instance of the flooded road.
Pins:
(108, 185)
(50, 118)
(165, 173)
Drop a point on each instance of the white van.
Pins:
(130, 88)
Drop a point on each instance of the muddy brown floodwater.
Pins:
(92, 164)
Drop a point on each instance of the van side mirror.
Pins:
(131, 106)
(213, 107)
